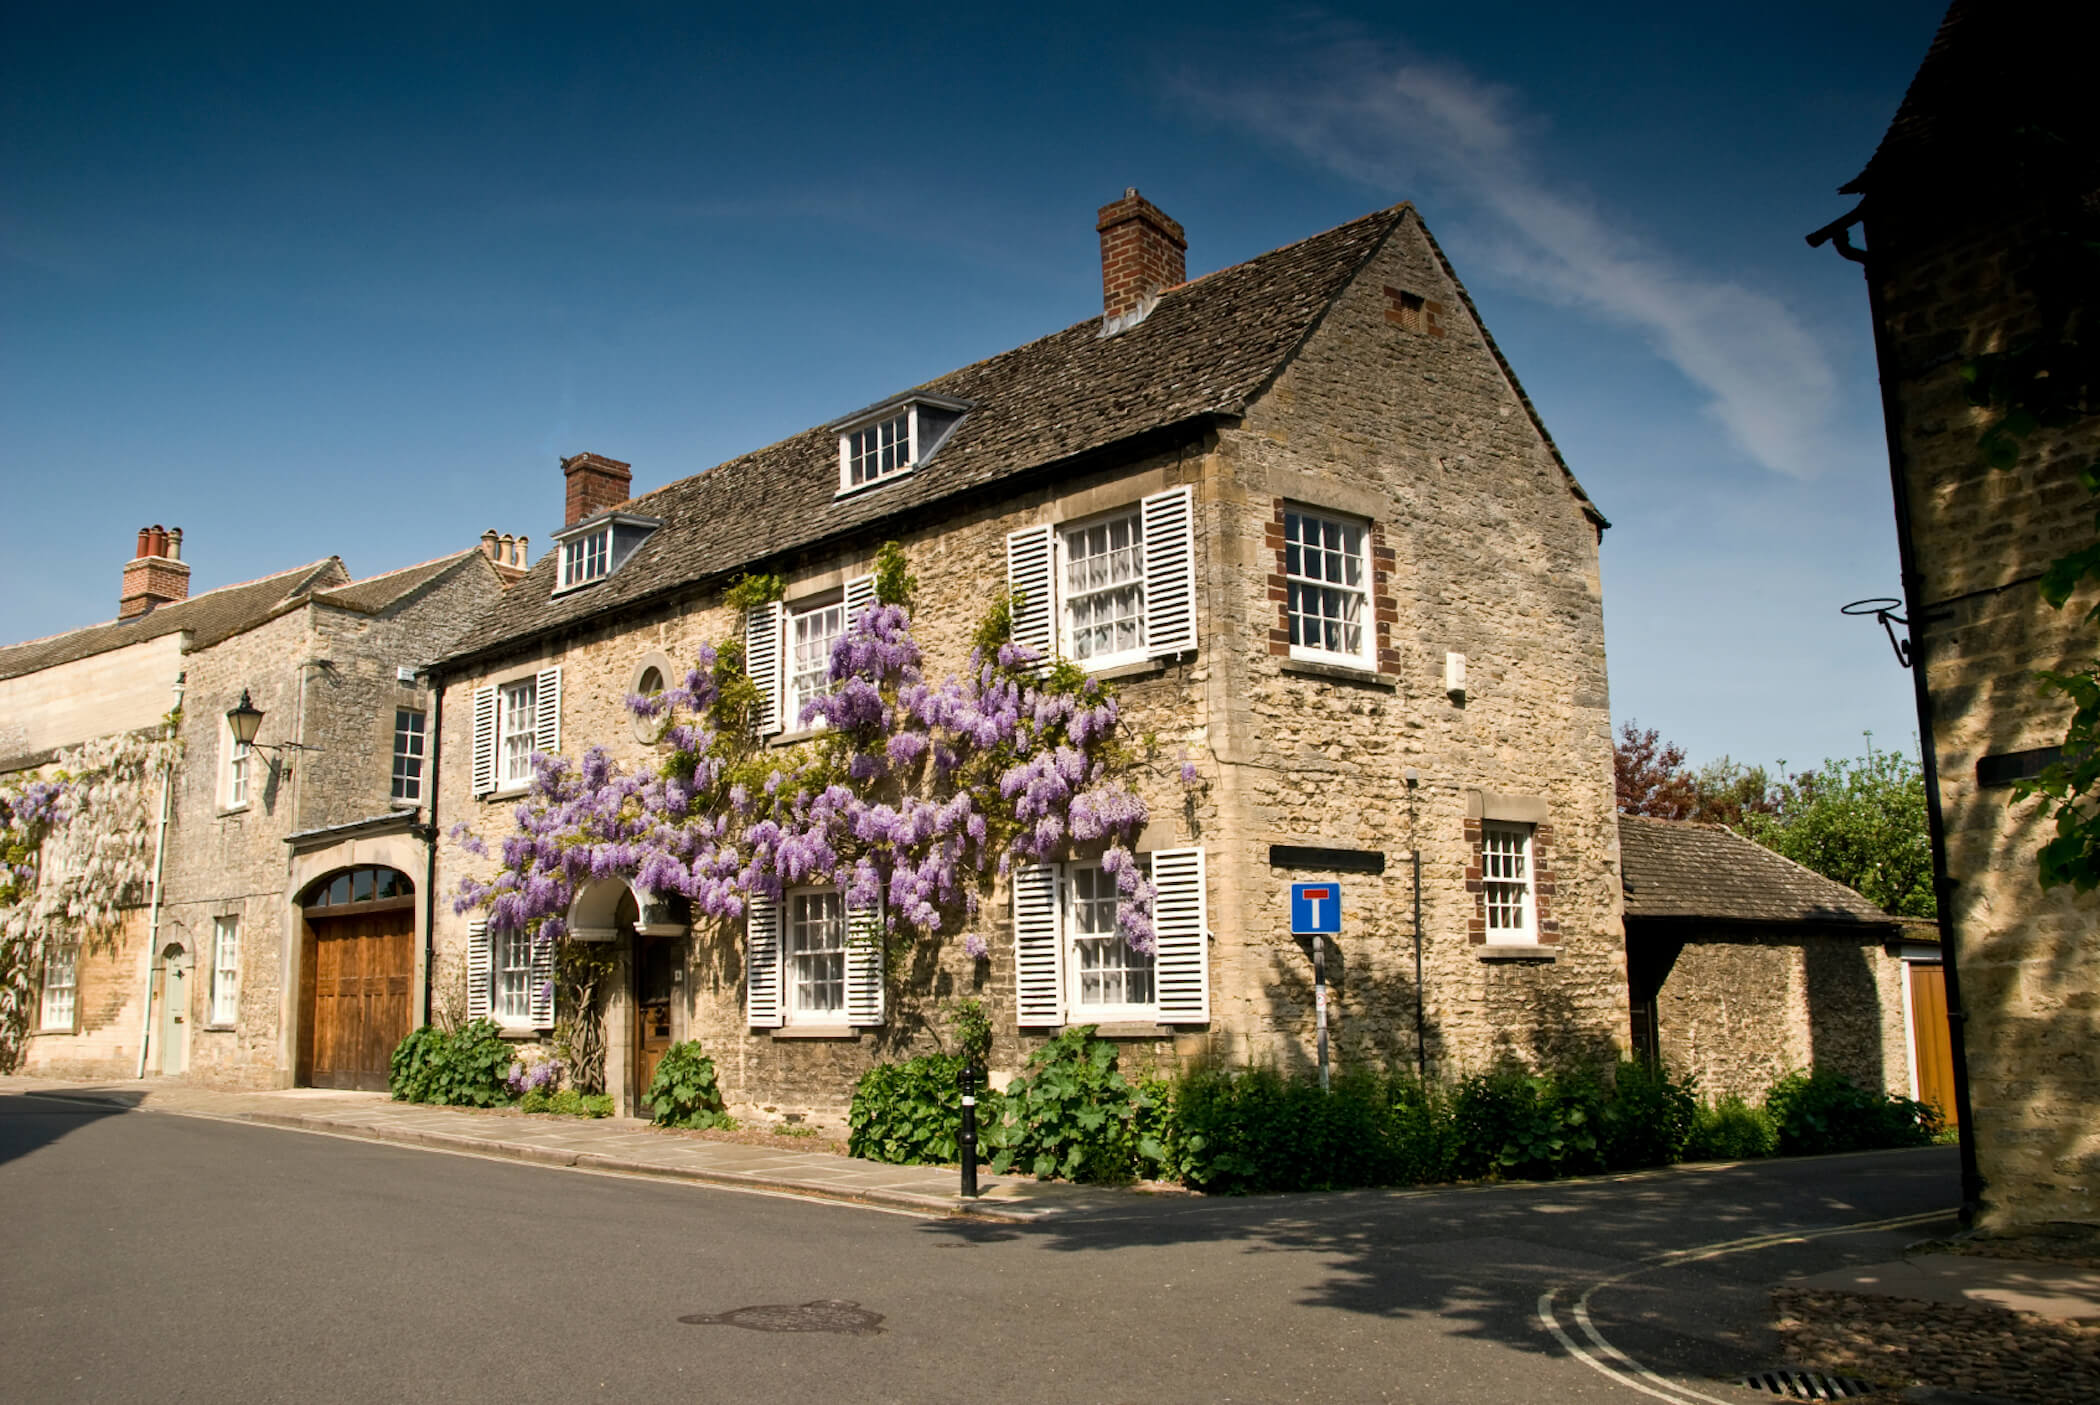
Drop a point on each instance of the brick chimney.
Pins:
(157, 575)
(595, 484)
(1143, 253)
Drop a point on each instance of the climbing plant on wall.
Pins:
(914, 794)
(76, 850)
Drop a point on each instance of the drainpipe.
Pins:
(1839, 233)
(430, 841)
(160, 862)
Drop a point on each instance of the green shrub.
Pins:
(1647, 1120)
(1259, 1130)
(910, 1113)
(465, 1068)
(568, 1103)
(973, 1032)
(684, 1093)
(1731, 1130)
(1071, 1114)
(1826, 1111)
(1528, 1126)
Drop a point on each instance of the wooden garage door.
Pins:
(358, 973)
(1931, 1043)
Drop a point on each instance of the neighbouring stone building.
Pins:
(1979, 209)
(246, 953)
(1358, 591)
(1742, 966)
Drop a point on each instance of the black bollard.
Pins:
(966, 1144)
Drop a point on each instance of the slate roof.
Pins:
(376, 593)
(1209, 348)
(1992, 69)
(209, 617)
(1675, 868)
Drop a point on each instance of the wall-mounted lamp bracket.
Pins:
(1884, 609)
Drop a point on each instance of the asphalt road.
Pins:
(164, 1258)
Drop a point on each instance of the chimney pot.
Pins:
(595, 483)
(174, 543)
(524, 557)
(155, 576)
(488, 544)
(1143, 253)
(145, 543)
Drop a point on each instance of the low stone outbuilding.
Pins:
(1743, 966)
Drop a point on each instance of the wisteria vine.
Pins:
(912, 795)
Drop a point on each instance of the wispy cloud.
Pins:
(1397, 122)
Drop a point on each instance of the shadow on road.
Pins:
(1477, 1258)
(30, 1121)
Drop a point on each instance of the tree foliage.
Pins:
(1653, 779)
(1860, 821)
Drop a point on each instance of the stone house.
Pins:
(282, 942)
(1302, 515)
(2001, 103)
(1742, 966)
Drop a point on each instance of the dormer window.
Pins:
(598, 546)
(891, 439)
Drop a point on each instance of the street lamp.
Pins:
(244, 720)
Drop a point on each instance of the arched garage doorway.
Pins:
(356, 976)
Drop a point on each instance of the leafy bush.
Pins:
(1826, 1111)
(1528, 1126)
(568, 1103)
(1648, 1119)
(1259, 1130)
(1731, 1130)
(684, 1093)
(973, 1032)
(1072, 1115)
(910, 1113)
(466, 1068)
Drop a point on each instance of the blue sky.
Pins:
(310, 283)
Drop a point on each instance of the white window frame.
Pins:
(1365, 655)
(511, 1008)
(909, 415)
(515, 721)
(236, 770)
(1067, 597)
(1078, 1010)
(225, 971)
(793, 617)
(585, 558)
(792, 956)
(408, 787)
(58, 1003)
(1509, 889)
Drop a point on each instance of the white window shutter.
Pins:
(864, 955)
(1039, 986)
(481, 968)
(546, 708)
(1180, 930)
(1030, 572)
(762, 962)
(484, 740)
(1170, 572)
(540, 1001)
(762, 662)
(860, 594)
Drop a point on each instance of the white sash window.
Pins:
(1328, 577)
(1505, 871)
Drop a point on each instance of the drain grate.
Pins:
(822, 1315)
(1806, 1385)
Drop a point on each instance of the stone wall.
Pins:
(1742, 1008)
(110, 1001)
(1419, 432)
(121, 690)
(1951, 287)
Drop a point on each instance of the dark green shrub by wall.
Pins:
(910, 1113)
(683, 1092)
(1072, 1114)
(463, 1068)
(1647, 1120)
(1825, 1111)
(1731, 1130)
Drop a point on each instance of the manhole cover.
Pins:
(823, 1315)
(1806, 1385)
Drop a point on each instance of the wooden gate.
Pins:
(357, 974)
(1929, 1037)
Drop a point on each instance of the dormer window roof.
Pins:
(890, 439)
(597, 546)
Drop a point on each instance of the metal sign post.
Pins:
(966, 1143)
(1316, 911)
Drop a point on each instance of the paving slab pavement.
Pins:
(2062, 1291)
(618, 1144)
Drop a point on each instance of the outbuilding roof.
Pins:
(1678, 868)
(1208, 349)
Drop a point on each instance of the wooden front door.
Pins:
(1929, 1038)
(357, 976)
(653, 960)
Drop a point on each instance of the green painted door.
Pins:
(174, 1011)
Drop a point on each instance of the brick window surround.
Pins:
(1548, 927)
(1385, 606)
